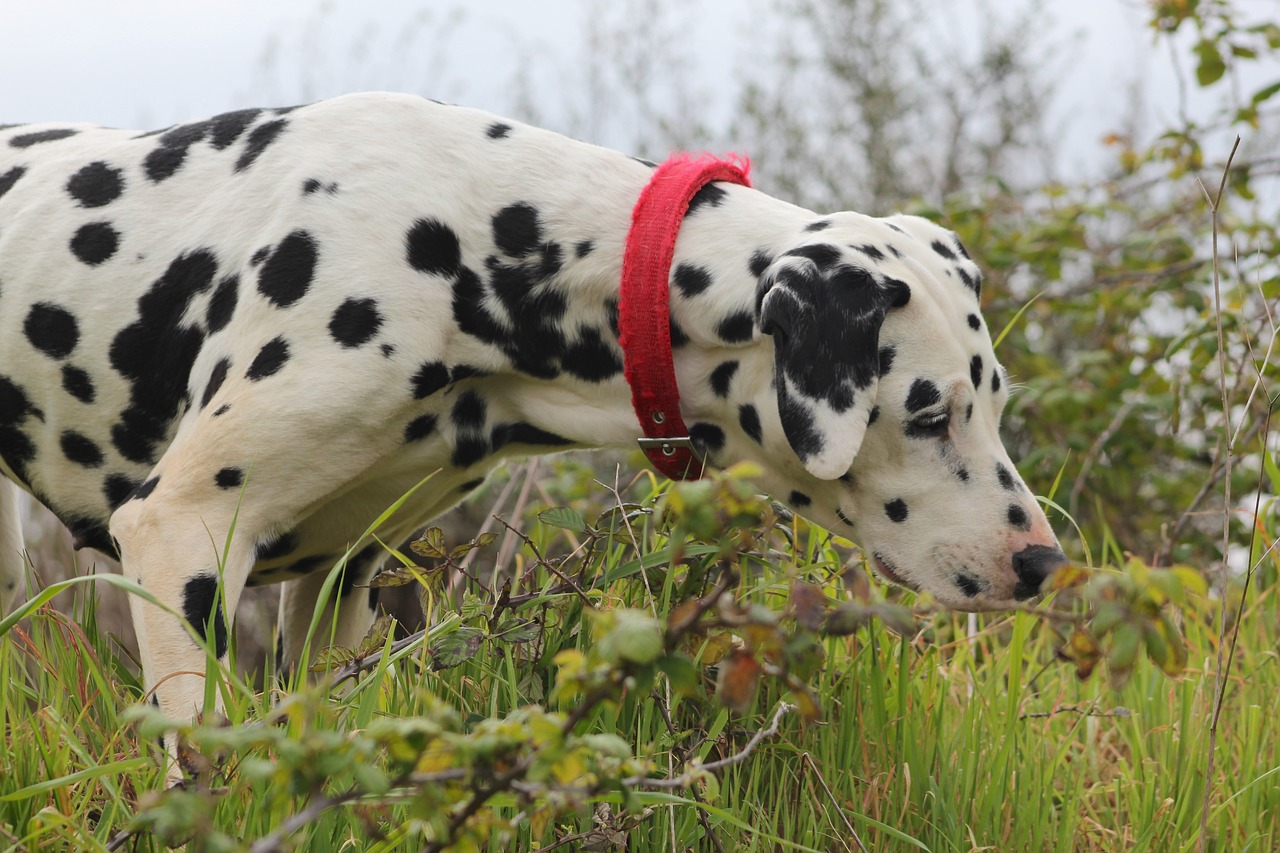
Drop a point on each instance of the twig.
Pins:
(275, 841)
(1083, 710)
(689, 777)
(1220, 678)
(508, 547)
(1095, 452)
(665, 711)
(808, 759)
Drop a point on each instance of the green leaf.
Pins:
(456, 648)
(682, 674)
(377, 636)
(1210, 66)
(513, 630)
(563, 517)
(635, 636)
(431, 544)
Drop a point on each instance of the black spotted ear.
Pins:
(824, 317)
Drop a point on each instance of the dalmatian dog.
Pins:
(226, 347)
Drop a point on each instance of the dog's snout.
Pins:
(1032, 565)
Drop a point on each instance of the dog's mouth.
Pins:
(889, 573)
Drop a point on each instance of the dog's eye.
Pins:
(930, 424)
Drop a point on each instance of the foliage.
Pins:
(659, 668)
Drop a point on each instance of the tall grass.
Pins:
(930, 741)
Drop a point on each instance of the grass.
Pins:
(933, 741)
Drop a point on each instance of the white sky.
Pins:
(149, 63)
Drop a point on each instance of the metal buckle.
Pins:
(668, 446)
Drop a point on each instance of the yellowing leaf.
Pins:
(739, 675)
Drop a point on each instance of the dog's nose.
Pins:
(1032, 565)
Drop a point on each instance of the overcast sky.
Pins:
(149, 63)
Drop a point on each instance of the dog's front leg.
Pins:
(175, 550)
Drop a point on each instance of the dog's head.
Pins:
(889, 396)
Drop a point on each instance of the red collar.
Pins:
(644, 310)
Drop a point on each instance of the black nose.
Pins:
(1032, 565)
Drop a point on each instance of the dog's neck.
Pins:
(725, 242)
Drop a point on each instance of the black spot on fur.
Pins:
(922, 395)
(516, 230)
(419, 428)
(80, 449)
(1006, 479)
(875, 414)
(222, 304)
(590, 357)
(470, 442)
(432, 247)
(26, 140)
(269, 359)
(199, 603)
(896, 510)
(163, 161)
(975, 371)
(736, 328)
(16, 447)
(96, 184)
(216, 377)
(899, 292)
(799, 500)
(498, 130)
(840, 515)
(710, 196)
(678, 337)
(818, 225)
(824, 255)
(972, 282)
(525, 433)
(310, 185)
(1018, 518)
(691, 279)
(355, 322)
(943, 249)
(286, 274)
(760, 261)
(259, 138)
(155, 354)
(144, 491)
(429, 379)
(77, 383)
(749, 420)
(51, 329)
(995, 380)
(222, 410)
(274, 549)
(117, 488)
(95, 243)
(611, 316)
(722, 377)
(969, 586)
(9, 178)
(707, 438)
(974, 322)
(886, 359)
(583, 248)
(228, 478)
(963, 473)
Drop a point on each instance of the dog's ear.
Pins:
(824, 317)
